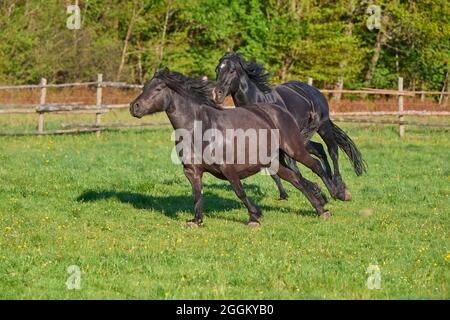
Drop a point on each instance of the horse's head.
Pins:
(228, 72)
(234, 73)
(155, 97)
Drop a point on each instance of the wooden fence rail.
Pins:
(40, 86)
(399, 122)
(99, 108)
(393, 113)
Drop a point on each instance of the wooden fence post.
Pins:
(400, 106)
(310, 81)
(99, 102)
(42, 102)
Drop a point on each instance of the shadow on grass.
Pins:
(171, 205)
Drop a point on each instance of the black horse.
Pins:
(185, 101)
(247, 83)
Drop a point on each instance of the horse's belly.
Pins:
(215, 170)
(242, 170)
(247, 171)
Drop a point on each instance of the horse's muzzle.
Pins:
(134, 110)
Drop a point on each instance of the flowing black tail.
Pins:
(349, 147)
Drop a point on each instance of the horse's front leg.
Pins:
(253, 211)
(194, 176)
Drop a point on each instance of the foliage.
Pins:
(327, 40)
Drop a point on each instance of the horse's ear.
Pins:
(162, 72)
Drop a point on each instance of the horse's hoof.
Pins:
(283, 198)
(325, 215)
(253, 224)
(347, 196)
(193, 224)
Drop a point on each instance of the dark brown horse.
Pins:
(247, 83)
(186, 103)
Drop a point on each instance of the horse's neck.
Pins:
(182, 113)
(248, 93)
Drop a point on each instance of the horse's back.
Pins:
(243, 117)
(303, 97)
(258, 116)
(277, 117)
(306, 90)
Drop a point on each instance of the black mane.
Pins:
(255, 71)
(196, 89)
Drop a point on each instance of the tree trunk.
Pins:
(10, 10)
(442, 97)
(140, 71)
(375, 57)
(164, 33)
(75, 45)
(422, 95)
(294, 6)
(381, 38)
(125, 42)
(285, 68)
(339, 85)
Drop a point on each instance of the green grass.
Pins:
(116, 207)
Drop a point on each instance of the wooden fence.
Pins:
(100, 108)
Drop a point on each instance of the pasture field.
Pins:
(116, 206)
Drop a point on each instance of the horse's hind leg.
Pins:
(291, 164)
(326, 132)
(317, 150)
(298, 152)
(253, 211)
(283, 193)
(308, 188)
